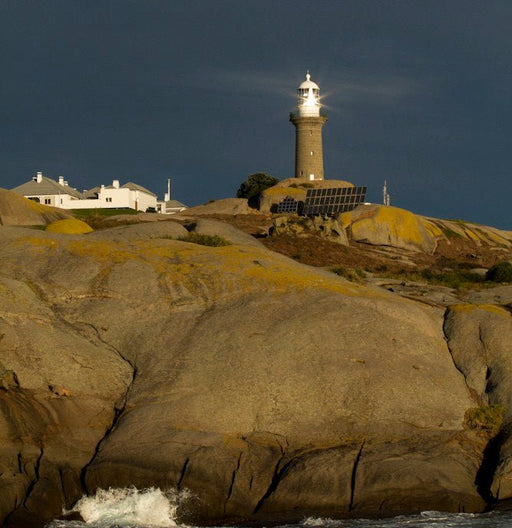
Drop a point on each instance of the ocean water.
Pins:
(152, 508)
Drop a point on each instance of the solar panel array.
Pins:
(288, 205)
(333, 201)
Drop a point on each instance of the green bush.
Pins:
(486, 419)
(254, 186)
(501, 272)
(455, 279)
(205, 240)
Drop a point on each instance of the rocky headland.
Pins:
(268, 388)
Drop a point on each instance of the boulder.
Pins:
(328, 228)
(268, 389)
(15, 210)
(231, 234)
(388, 226)
(479, 338)
(71, 226)
(126, 233)
(231, 206)
(458, 230)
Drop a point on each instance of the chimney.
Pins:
(39, 177)
(115, 184)
(61, 180)
(167, 195)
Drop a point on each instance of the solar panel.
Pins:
(333, 201)
(288, 205)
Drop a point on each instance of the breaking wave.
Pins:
(126, 507)
(153, 508)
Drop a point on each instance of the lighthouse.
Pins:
(308, 121)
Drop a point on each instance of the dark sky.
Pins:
(418, 92)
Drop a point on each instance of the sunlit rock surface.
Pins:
(269, 389)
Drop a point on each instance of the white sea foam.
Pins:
(129, 507)
(425, 519)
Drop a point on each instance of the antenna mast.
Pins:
(385, 194)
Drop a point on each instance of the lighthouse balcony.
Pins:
(297, 115)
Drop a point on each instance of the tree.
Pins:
(255, 184)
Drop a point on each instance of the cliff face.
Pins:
(267, 388)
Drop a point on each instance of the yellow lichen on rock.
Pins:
(468, 308)
(100, 250)
(70, 226)
(278, 190)
(196, 268)
(389, 226)
(432, 228)
(472, 235)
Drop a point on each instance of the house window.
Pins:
(47, 201)
(109, 199)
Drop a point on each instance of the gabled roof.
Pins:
(135, 187)
(174, 203)
(46, 186)
(92, 193)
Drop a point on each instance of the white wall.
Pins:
(55, 200)
(112, 198)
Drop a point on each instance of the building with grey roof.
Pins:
(47, 191)
(59, 194)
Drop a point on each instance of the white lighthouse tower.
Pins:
(308, 121)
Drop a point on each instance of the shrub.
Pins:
(349, 273)
(205, 240)
(501, 272)
(455, 279)
(486, 419)
(254, 186)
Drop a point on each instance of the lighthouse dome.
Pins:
(308, 83)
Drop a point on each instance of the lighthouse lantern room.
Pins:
(308, 97)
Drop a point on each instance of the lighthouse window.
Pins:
(310, 132)
(311, 153)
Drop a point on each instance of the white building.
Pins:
(168, 206)
(59, 194)
(115, 196)
(47, 191)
